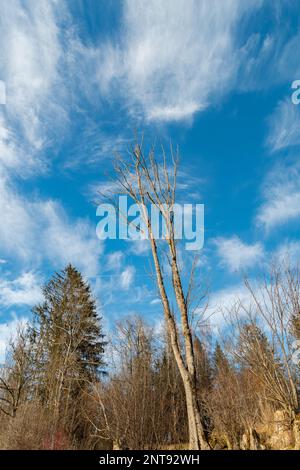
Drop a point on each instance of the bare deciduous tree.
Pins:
(15, 374)
(146, 181)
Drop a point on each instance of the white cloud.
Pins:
(30, 67)
(257, 70)
(127, 277)
(288, 60)
(284, 126)
(236, 255)
(139, 247)
(38, 67)
(230, 302)
(93, 145)
(102, 190)
(226, 302)
(173, 57)
(24, 290)
(226, 299)
(64, 241)
(9, 155)
(281, 197)
(8, 331)
(36, 230)
(114, 260)
(283, 208)
(288, 252)
(155, 301)
(17, 224)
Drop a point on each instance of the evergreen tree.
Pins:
(256, 355)
(204, 381)
(67, 321)
(220, 361)
(67, 344)
(203, 367)
(254, 346)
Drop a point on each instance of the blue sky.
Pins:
(213, 76)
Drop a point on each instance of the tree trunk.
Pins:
(197, 439)
(185, 363)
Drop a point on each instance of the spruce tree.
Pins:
(254, 346)
(66, 336)
(220, 361)
(203, 367)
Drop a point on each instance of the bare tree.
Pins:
(277, 302)
(142, 406)
(14, 375)
(146, 181)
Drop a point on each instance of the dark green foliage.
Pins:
(67, 323)
(253, 346)
(220, 361)
(203, 366)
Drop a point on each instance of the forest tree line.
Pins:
(64, 385)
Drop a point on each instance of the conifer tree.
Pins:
(203, 367)
(67, 344)
(220, 361)
(254, 346)
(255, 354)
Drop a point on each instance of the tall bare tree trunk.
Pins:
(197, 438)
(145, 181)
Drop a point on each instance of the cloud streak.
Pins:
(236, 255)
(170, 55)
(281, 197)
(24, 290)
(37, 230)
(284, 126)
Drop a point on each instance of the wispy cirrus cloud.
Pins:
(37, 65)
(284, 125)
(127, 277)
(288, 252)
(23, 290)
(228, 298)
(30, 66)
(8, 331)
(40, 229)
(169, 56)
(236, 255)
(226, 302)
(281, 197)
